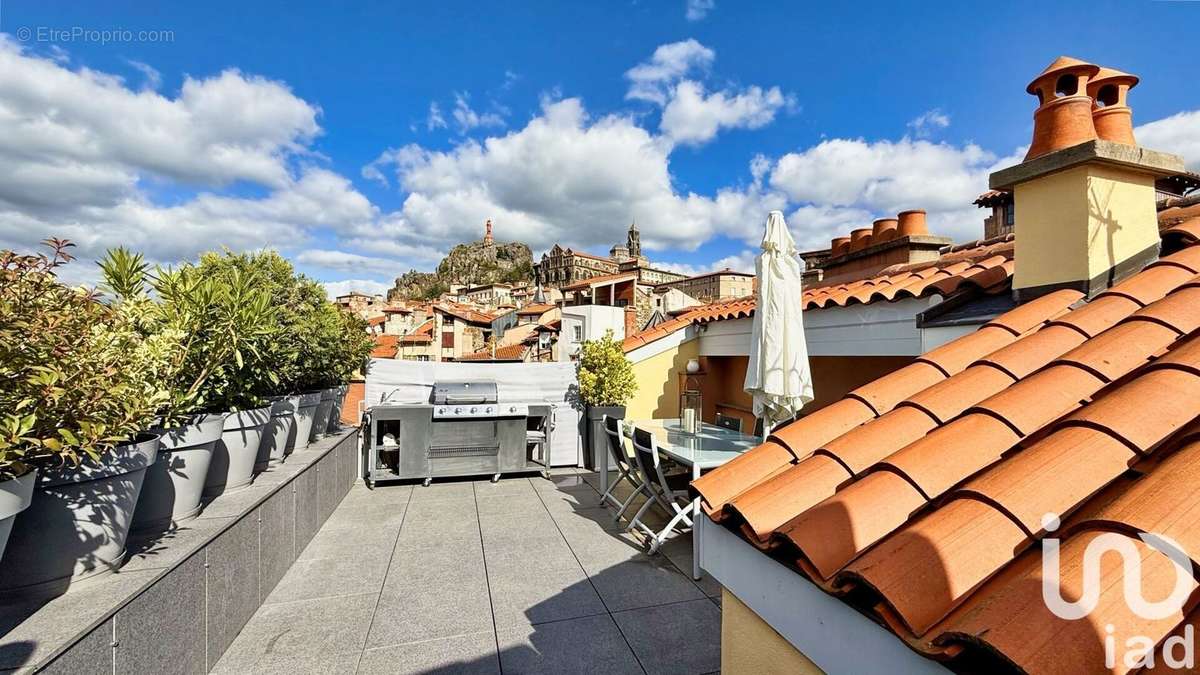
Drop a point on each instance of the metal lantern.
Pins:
(690, 406)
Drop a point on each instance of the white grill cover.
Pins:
(778, 376)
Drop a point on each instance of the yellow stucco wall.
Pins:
(1053, 246)
(750, 646)
(658, 381)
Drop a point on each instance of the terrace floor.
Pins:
(525, 576)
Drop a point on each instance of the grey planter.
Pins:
(597, 439)
(306, 415)
(77, 523)
(176, 479)
(335, 415)
(233, 459)
(324, 409)
(280, 434)
(15, 495)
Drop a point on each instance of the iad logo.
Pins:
(1139, 649)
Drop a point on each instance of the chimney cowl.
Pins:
(839, 246)
(884, 229)
(1111, 114)
(1064, 114)
(860, 238)
(911, 222)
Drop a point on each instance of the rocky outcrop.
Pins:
(472, 264)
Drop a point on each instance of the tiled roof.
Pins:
(589, 282)
(385, 347)
(535, 309)
(423, 334)
(717, 311)
(377, 321)
(919, 497)
(986, 265)
(464, 312)
(515, 352)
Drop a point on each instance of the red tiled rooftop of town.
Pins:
(423, 334)
(514, 352)
(591, 281)
(918, 498)
(385, 347)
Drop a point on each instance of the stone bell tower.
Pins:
(634, 242)
(487, 235)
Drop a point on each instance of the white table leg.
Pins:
(696, 516)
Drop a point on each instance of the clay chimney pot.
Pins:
(1111, 114)
(1064, 114)
(839, 246)
(860, 239)
(912, 223)
(884, 229)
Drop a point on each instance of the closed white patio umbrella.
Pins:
(778, 375)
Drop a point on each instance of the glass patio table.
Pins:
(708, 448)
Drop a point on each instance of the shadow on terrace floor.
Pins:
(525, 576)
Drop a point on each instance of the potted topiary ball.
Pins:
(606, 383)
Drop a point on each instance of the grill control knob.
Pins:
(458, 411)
(473, 409)
(512, 408)
(441, 411)
(489, 409)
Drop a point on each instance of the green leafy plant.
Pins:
(339, 347)
(73, 371)
(222, 313)
(605, 375)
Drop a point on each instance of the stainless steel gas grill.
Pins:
(464, 430)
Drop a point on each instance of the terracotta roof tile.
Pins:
(514, 352)
(927, 514)
(745, 470)
(385, 347)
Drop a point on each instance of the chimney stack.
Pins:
(630, 321)
(912, 223)
(839, 246)
(1111, 114)
(1086, 202)
(860, 239)
(1064, 114)
(883, 229)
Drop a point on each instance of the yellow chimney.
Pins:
(1086, 214)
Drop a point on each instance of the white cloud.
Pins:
(845, 181)
(652, 80)
(342, 261)
(928, 122)
(336, 288)
(1178, 134)
(564, 177)
(739, 262)
(434, 120)
(153, 78)
(694, 117)
(467, 119)
(696, 10)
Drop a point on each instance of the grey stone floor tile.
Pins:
(521, 596)
(349, 572)
(438, 491)
(540, 553)
(560, 481)
(419, 610)
(234, 503)
(334, 542)
(678, 639)
(470, 654)
(642, 582)
(282, 664)
(307, 629)
(435, 566)
(585, 645)
(504, 487)
(366, 516)
(679, 551)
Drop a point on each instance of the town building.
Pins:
(561, 267)
(725, 284)
(362, 304)
(488, 295)
(458, 329)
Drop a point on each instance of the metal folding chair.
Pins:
(669, 491)
(625, 470)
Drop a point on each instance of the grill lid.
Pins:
(450, 393)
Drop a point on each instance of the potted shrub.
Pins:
(212, 319)
(340, 347)
(606, 383)
(77, 387)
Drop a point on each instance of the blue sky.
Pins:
(331, 132)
